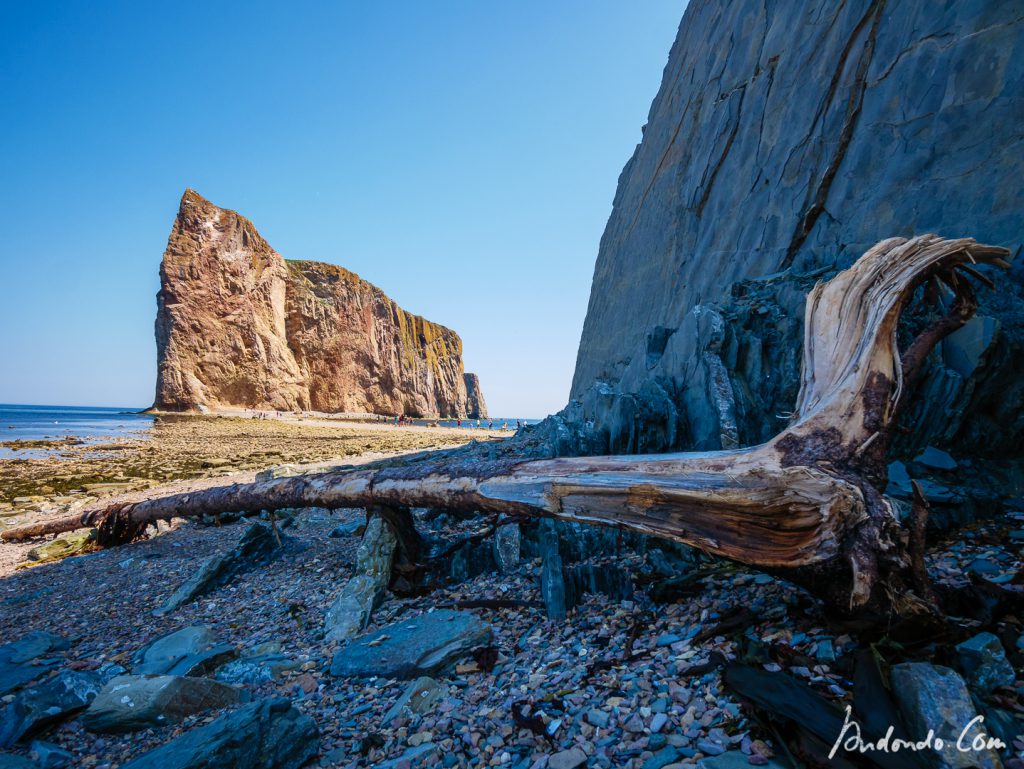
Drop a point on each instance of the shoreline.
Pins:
(198, 449)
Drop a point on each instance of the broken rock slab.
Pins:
(417, 646)
(351, 611)
(193, 650)
(932, 697)
(507, 545)
(257, 669)
(49, 702)
(130, 703)
(20, 661)
(257, 546)
(269, 734)
(418, 698)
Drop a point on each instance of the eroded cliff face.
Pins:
(238, 326)
(476, 407)
(786, 139)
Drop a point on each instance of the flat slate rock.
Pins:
(130, 703)
(171, 653)
(18, 659)
(53, 700)
(417, 646)
(269, 734)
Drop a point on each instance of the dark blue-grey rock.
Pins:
(46, 703)
(983, 661)
(936, 459)
(171, 651)
(552, 574)
(351, 611)
(20, 661)
(257, 546)
(785, 140)
(269, 734)
(130, 703)
(932, 697)
(416, 646)
(12, 761)
(507, 545)
(50, 756)
(252, 671)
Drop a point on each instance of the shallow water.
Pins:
(92, 424)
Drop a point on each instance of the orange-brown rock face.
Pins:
(238, 326)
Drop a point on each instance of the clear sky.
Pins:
(461, 155)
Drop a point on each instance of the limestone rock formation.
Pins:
(784, 140)
(476, 407)
(238, 326)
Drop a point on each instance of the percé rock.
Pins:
(238, 326)
(786, 139)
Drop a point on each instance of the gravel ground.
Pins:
(568, 681)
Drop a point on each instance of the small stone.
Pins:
(567, 759)
(658, 722)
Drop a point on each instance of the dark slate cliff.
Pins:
(786, 138)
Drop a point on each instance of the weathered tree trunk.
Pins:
(806, 504)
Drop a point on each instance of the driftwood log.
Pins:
(807, 504)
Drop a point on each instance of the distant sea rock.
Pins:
(239, 326)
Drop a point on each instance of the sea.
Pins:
(97, 424)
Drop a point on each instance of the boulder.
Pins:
(49, 702)
(173, 650)
(50, 756)
(130, 703)
(257, 546)
(63, 546)
(19, 660)
(418, 698)
(256, 670)
(983, 661)
(269, 734)
(351, 611)
(935, 459)
(417, 646)
(507, 544)
(932, 697)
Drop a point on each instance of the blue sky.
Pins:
(460, 155)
